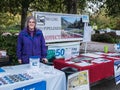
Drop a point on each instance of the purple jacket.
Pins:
(30, 46)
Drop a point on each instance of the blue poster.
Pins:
(1, 70)
(117, 71)
(35, 86)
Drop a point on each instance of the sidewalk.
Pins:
(96, 47)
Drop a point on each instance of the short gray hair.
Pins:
(28, 19)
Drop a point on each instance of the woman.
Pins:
(31, 43)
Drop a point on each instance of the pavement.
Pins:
(96, 47)
(105, 84)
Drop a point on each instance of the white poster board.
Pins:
(49, 24)
(87, 33)
(78, 81)
(65, 50)
(57, 27)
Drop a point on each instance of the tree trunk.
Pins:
(23, 16)
(25, 6)
(74, 6)
(71, 6)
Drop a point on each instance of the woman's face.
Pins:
(31, 24)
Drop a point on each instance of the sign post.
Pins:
(87, 31)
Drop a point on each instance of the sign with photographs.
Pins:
(58, 27)
(78, 81)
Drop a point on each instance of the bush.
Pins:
(110, 37)
(9, 43)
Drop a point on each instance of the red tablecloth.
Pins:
(96, 71)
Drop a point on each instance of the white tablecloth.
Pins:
(54, 78)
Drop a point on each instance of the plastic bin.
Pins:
(69, 70)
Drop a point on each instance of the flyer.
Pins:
(78, 81)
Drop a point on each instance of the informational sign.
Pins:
(61, 49)
(58, 27)
(85, 18)
(78, 81)
(35, 86)
(117, 71)
(117, 32)
(87, 34)
(50, 25)
(117, 47)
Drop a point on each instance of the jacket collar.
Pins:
(37, 32)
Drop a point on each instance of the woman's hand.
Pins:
(44, 60)
(19, 61)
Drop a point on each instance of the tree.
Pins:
(73, 6)
(22, 7)
(113, 10)
(113, 7)
(16, 6)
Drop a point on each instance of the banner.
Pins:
(58, 27)
(62, 49)
(35, 86)
(78, 81)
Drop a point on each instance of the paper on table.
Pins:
(83, 64)
(92, 55)
(100, 53)
(100, 60)
(113, 54)
(114, 57)
(69, 62)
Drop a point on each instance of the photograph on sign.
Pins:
(72, 26)
(40, 20)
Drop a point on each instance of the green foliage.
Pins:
(8, 43)
(113, 7)
(9, 21)
(24, 7)
(117, 24)
(104, 21)
(110, 37)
